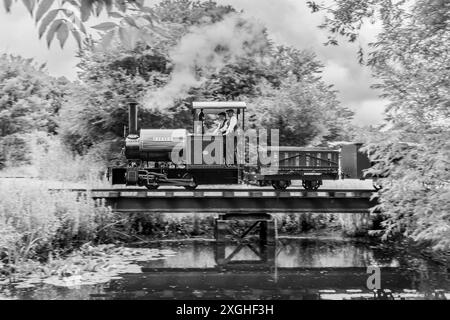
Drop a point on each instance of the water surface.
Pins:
(293, 269)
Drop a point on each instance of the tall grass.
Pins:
(54, 161)
(35, 222)
(355, 225)
(48, 158)
(303, 222)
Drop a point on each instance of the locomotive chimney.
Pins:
(132, 118)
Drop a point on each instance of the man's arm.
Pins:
(217, 129)
(232, 125)
(224, 129)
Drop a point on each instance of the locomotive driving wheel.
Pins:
(311, 185)
(193, 184)
(281, 184)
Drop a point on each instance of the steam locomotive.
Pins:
(161, 157)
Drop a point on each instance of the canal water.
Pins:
(301, 268)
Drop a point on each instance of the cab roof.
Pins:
(216, 105)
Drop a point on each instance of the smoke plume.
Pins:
(207, 48)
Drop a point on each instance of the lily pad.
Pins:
(92, 265)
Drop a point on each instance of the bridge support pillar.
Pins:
(221, 230)
(268, 231)
(267, 228)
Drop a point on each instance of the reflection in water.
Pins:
(293, 269)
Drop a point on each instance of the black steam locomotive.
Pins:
(158, 157)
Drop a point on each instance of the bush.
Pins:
(53, 160)
(355, 225)
(166, 225)
(35, 222)
(13, 150)
(47, 157)
(302, 222)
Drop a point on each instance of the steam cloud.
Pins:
(208, 48)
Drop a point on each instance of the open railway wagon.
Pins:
(161, 157)
(310, 165)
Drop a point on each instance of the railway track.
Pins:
(225, 190)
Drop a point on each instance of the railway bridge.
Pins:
(254, 204)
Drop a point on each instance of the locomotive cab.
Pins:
(206, 148)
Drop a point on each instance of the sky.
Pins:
(289, 22)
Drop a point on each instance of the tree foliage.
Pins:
(29, 100)
(96, 111)
(305, 112)
(295, 100)
(131, 20)
(410, 59)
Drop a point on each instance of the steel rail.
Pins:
(256, 189)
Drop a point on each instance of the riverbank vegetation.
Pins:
(35, 223)
(411, 149)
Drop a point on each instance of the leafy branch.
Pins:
(132, 20)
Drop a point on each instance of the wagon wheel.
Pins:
(193, 184)
(311, 185)
(281, 184)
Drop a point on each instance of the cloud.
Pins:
(369, 111)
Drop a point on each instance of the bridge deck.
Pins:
(248, 201)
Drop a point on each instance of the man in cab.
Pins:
(222, 124)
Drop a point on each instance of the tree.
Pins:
(305, 112)
(96, 111)
(29, 100)
(410, 58)
(188, 13)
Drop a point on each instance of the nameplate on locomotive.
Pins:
(162, 139)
